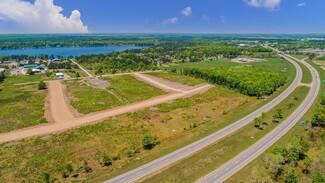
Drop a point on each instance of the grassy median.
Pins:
(208, 159)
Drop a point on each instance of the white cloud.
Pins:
(42, 16)
(270, 4)
(187, 11)
(301, 4)
(173, 20)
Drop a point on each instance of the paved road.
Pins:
(186, 151)
(231, 167)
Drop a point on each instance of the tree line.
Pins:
(247, 80)
(318, 118)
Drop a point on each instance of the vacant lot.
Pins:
(119, 137)
(21, 106)
(186, 80)
(272, 64)
(122, 90)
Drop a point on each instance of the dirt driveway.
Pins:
(63, 118)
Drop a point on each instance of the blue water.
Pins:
(66, 51)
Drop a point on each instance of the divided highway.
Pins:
(231, 167)
(156, 165)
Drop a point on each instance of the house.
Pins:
(30, 66)
(37, 61)
(59, 75)
(40, 68)
(36, 71)
(18, 71)
(56, 60)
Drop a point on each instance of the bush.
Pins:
(48, 73)
(41, 85)
(69, 168)
(85, 167)
(46, 178)
(103, 159)
(30, 72)
(2, 76)
(149, 141)
(318, 178)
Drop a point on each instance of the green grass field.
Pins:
(186, 80)
(123, 90)
(272, 64)
(208, 159)
(316, 152)
(300, 56)
(21, 106)
(72, 73)
(307, 77)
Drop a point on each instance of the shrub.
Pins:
(30, 72)
(148, 141)
(41, 85)
(48, 73)
(69, 168)
(46, 177)
(85, 167)
(103, 159)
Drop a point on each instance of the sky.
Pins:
(162, 16)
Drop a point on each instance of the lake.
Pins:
(66, 51)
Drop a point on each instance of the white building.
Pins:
(59, 75)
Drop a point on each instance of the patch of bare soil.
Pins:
(98, 83)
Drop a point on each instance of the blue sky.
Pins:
(166, 16)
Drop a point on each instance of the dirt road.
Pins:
(64, 119)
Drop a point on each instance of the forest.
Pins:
(72, 40)
(154, 57)
(247, 80)
(303, 44)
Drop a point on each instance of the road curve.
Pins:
(188, 150)
(231, 167)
